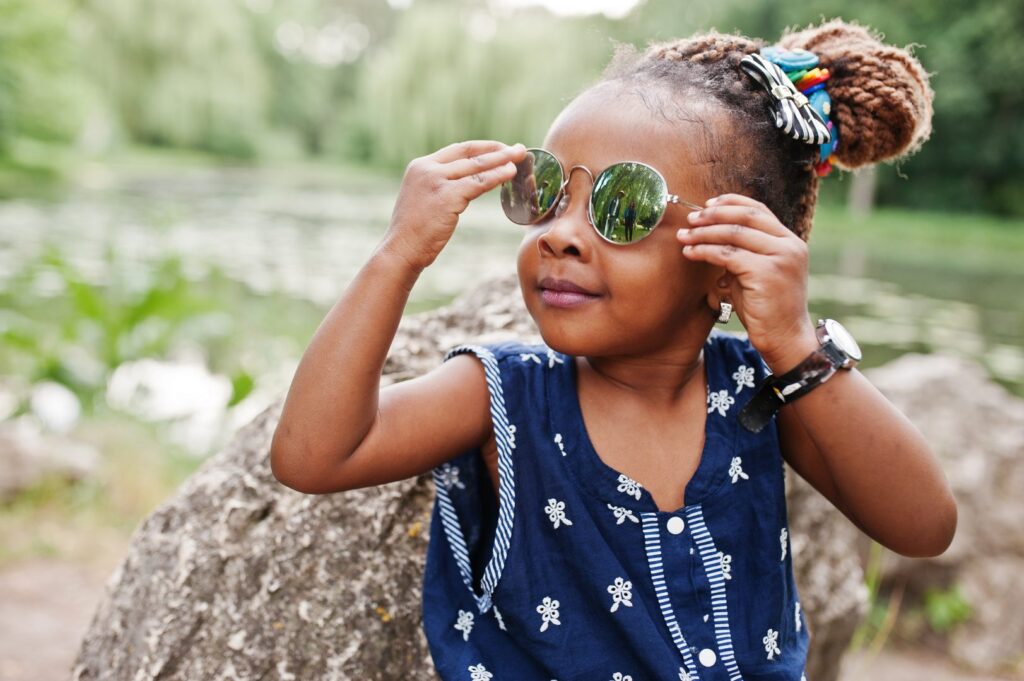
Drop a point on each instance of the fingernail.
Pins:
(712, 200)
(694, 215)
(682, 231)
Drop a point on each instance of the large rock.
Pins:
(976, 428)
(239, 577)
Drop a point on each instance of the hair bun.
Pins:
(881, 97)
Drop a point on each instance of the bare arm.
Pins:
(869, 460)
(334, 411)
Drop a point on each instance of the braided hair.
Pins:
(881, 104)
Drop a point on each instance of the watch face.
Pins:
(841, 337)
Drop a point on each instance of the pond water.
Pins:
(277, 248)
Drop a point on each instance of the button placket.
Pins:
(679, 555)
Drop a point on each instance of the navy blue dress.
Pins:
(577, 576)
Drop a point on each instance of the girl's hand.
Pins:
(436, 189)
(766, 274)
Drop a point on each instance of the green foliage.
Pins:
(80, 336)
(946, 608)
(37, 90)
(41, 98)
(185, 73)
(438, 81)
(218, 77)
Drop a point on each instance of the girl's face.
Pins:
(648, 296)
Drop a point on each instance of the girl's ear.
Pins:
(721, 289)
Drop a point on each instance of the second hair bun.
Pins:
(881, 96)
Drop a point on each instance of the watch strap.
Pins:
(814, 370)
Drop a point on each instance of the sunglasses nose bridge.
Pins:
(568, 176)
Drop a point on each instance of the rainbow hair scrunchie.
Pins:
(801, 67)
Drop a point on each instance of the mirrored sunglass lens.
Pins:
(529, 195)
(628, 201)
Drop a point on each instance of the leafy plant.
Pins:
(945, 608)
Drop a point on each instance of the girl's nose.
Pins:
(566, 229)
(569, 229)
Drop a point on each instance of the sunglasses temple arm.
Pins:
(672, 198)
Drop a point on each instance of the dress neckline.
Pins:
(600, 479)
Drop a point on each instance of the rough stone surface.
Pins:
(239, 577)
(976, 428)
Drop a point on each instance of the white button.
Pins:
(707, 657)
(676, 525)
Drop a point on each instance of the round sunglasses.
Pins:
(627, 200)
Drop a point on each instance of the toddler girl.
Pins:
(610, 503)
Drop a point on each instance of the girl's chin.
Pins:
(568, 338)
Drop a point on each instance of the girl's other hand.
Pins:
(436, 189)
(766, 274)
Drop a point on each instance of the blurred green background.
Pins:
(187, 186)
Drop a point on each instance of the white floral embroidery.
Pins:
(512, 436)
(796, 614)
(464, 624)
(556, 512)
(736, 469)
(771, 644)
(450, 476)
(720, 400)
(497, 616)
(553, 359)
(744, 377)
(622, 513)
(558, 441)
(527, 356)
(622, 592)
(782, 540)
(478, 672)
(683, 676)
(548, 610)
(726, 560)
(629, 486)
(619, 676)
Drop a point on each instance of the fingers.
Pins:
(738, 235)
(749, 213)
(736, 261)
(462, 167)
(465, 149)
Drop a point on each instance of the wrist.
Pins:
(793, 352)
(390, 252)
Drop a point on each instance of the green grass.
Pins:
(963, 241)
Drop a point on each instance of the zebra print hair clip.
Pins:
(793, 112)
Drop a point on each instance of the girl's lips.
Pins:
(565, 298)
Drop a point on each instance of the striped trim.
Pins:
(652, 543)
(713, 569)
(506, 488)
(793, 112)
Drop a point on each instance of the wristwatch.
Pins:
(838, 351)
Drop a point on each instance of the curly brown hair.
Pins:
(881, 103)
